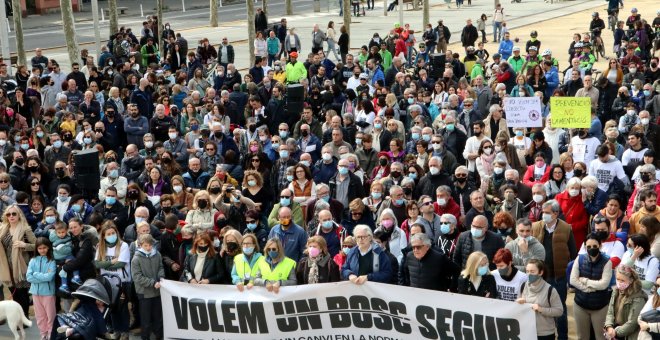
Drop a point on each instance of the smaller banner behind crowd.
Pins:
(336, 311)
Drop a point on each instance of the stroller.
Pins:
(106, 288)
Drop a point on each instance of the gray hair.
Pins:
(322, 186)
(444, 189)
(321, 205)
(573, 181)
(392, 188)
(143, 209)
(494, 108)
(437, 158)
(415, 108)
(589, 181)
(362, 227)
(421, 237)
(553, 204)
(407, 180)
(515, 173)
(349, 116)
(647, 168)
(450, 218)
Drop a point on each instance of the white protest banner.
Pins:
(336, 311)
(523, 112)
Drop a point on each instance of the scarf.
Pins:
(18, 264)
(487, 162)
(312, 264)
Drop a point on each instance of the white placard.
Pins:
(523, 112)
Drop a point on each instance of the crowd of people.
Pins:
(375, 167)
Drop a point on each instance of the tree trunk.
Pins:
(114, 20)
(415, 5)
(69, 31)
(289, 7)
(18, 27)
(385, 7)
(347, 15)
(161, 18)
(425, 17)
(214, 13)
(251, 29)
(264, 7)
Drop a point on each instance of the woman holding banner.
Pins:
(274, 269)
(476, 279)
(317, 265)
(245, 262)
(543, 298)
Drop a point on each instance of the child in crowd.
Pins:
(41, 275)
(62, 251)
(147, 270)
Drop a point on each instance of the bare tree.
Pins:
(426, 17)
(112, 12)
(69, 30)
(160, 22)
(346, 4)
(289, 7)
(214, 13)
(251, 29)
(18, 27)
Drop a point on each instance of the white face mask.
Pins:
(537, 198)
(573, 192)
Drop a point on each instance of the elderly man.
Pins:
(444, 202)
(524, 192)
(57, 152)
(427, 268)
(429, 219)
(338, 141)
(332, 232)
(132, 164)
(309, 143)
(286, 200)
(477, 235)
(345, 186)
(589, 91)
(556, 236)
(113, 179)
(141, 215)
(292, 236)
(176, 146)
(448, 234)
(433, 179)
(195, 178)
(359, 266)
(111, 209)
(525, 247)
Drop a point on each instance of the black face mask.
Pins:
(593, 252)
(304, 133)
(202, 204)
(510, 182)
(232, 246)
(407, 191)
(202, 249)
(461, 179)
(252, 128)
(602, 235)
(19, 161)
(133, 194)
(166, 210)
(218, 134)
(382, 162)
(60, 173)
(165, 160)
(646, 178)
(33, 168)
(577, 172)
(395, 174)
(214, 190)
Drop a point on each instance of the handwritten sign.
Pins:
(523, 112)
(570, 112)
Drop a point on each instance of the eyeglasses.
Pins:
(285, 197)
(255, 161)
(362, 237)
(356, 213)
(461, 175)
(417, 247)
(14, 214)
(250, 221)
(210, 149)
(36, 183)
(271, 249)
(427, 203)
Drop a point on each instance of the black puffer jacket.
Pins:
(489, 246)
(433, 271)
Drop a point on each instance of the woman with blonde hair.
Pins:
(317, 266)
(475, 279)
(274, 269)
(17, 242)
(626, 302)
(613, 72)
(200, 218)
(113, 256)
(245, 262)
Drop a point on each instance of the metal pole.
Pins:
(102, 17)
(4, 38)
(141, 11)
(401, 12)
(183, 7)
(97, 29)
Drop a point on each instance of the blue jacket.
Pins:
(323, 172)
(552, 78)
(382, 270)
(41, 274)
(313, 141)
(144, 102)
(135, 129)
(201, 181)
(83, 215)
(505, 49)
(597, 203)
(378, 75)
(293, 239)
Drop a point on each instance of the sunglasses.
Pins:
(4, 181)
(250, 221)
(356, 213)
(271, 249)
(35, 183)
(427, 203)
(14, 214)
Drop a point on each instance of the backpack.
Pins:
(118, 50)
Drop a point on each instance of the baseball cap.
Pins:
(293, 54)
(516, 49)
(533, 48)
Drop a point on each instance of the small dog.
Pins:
(13, 313)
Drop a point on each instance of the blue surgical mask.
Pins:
(415, 135)
(450, 127)
(378, 125)
(284, 154)
(273, 254)
(343, 170)
(289, 178)
(111, 239)
(87, 140)
(57, 144)
(194, 127)
(251, 226)
(111, 200)
(358, 141)
(76, 207)
(284, 134)
(248, 250)
(412, 175)
(411, 100)
(445, 228)
(62, 198)
(305, 163)
(327, 225)
(25, 146)
(346, 250)
(519, 133)
(400, 201)
(426, 138)
(252, 183)
(50, 219)
(483, 270)
(647, 93)
(275, 146)
(139, 220)
(40, 134)
(325, 198)
(376, 195)
(529, 238)
(285, 202)
(113, 173)
(476, 233)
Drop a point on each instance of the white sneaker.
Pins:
(62, 329)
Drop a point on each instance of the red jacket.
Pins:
(450, 208)
(400, 47)
(528, 179)
(575, 214)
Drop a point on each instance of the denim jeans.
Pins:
(560, 285)
(497, 31)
